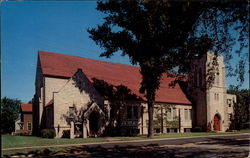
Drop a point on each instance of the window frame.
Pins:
(133, 115)
(29, 123)
(71, 112)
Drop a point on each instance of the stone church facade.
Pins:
(69, 99)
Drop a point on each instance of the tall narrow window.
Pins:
(217, 78)
(132, 112)
(216, 96)
(135, 112)
(190, 114)
(169, 114)
(29, 126)
(129, 112)
(174, 113)
(186, 114)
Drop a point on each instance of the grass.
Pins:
(9, 141)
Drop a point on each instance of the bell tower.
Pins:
(207, 89)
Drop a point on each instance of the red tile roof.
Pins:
(26, 107)
(54, 64)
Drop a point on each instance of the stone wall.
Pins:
(142, 122)
(52, 85)
(210, 96)
(77, 93)
(69, 96)
(180, 108)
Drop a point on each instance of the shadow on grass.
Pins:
(144, 151)
(148, 151)
(227, 142)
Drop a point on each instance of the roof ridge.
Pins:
(101, 61)
(42, 51)
(63, 65)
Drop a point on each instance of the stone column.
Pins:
(84, 132)
(72, 130)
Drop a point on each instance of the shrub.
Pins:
(21, 133)
(48, 133)
(66, 134)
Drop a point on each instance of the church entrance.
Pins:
(217, 123)
(93, 124)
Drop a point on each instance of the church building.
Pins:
(89, 98)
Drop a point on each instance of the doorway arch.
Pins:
(94, 118)
(217, 122)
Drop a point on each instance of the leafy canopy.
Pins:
(9, 113)
(163, 35)
(166, 35)
(241, 107)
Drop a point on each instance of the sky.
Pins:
(61, 27)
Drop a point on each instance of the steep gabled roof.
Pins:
(26, 107)
(60, 65)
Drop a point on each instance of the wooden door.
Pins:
(216, 123)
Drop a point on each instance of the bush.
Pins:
(48, 133)
(66, 134)
(26, 133)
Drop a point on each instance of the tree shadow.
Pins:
(138, 151)
(227, 142)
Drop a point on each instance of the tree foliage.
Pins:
(164, 119)
(9, 113)
(117, 95)
(163, 35)
(241, 107)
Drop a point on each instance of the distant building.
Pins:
(69, 97)
(24, 123)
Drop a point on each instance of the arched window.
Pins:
(217, 78)
(200, 77)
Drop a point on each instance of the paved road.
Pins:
(175, 141)
(233, 146)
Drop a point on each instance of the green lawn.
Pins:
(9, 141)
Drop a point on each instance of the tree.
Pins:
(164, 119)
(117, 96)
(165, 36)
(9, 114)
(241, 107)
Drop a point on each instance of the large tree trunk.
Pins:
(161, 119)
(150, 101)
